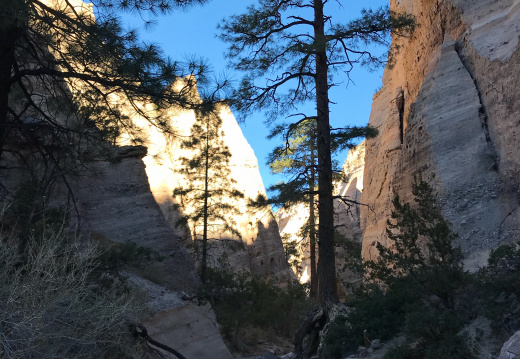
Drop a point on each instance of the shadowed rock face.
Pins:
(131, 201)
(448, 112)
(116, 203)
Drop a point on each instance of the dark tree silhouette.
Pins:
(290, 50)
(206, 200)
(70, 81)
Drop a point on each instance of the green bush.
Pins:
(120, 254)
(381, 313)
(418, 288)
(242, 301)
(413, 288)
(499, 286)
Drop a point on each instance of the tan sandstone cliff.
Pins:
(448, 112)
(129, 199)
(259, 249)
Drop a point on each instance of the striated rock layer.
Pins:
(130, 200)
(116, 205)
(448, 112)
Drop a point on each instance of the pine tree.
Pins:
(69, 81)
(421, 261)
(294, 46)
(421, 248)
(207, 199)
(297, 160)
(290, 45)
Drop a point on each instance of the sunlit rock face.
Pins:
(346, 216)
(259, 248)
(448, 113)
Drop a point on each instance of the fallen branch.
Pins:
(140, 331)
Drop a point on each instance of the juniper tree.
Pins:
(417, 287)
(421, 248)
(290, 51)
(207, 199)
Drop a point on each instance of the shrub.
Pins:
(414, 287)
(118, 255)
(242, 301)
(499, 285)
(51, 308)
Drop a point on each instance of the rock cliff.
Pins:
(347, 219)
(130, 200)
(123, 194)
(448, 112)
(259, 250)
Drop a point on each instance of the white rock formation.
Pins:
(131, 200)
(259, 249)
(448, 112)
(511, 348)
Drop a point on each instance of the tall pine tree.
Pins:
(207, 199)
(297, 160)
(290, 51)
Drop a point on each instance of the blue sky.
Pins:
(183, 34)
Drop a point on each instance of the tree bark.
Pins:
(206, 195)
(8, 37)
(312, 221)
(327, 292)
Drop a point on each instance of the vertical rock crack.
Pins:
(482, 109)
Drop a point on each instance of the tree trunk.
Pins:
(327, 292)
(306, 339)
(206, 195)
(312, 222)
(8, 37)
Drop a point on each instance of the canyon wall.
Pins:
(130, 199)
(259, 248)
(116, 205)
(121, 198)
(448, 113)
(346, 216)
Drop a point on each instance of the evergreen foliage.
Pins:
(419, 289)
(71, 81)
(415, 287)
(124, 254)
(207, 199)
(289, 51)
(297, 160)
(421, 249)
(244, 303)
(499, 285)
(292, 252)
